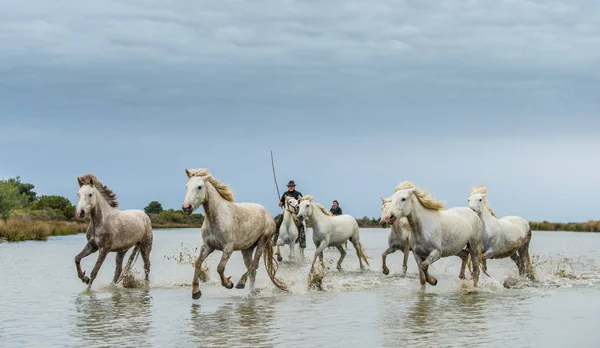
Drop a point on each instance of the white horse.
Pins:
(288, 231)
(505, 237)
(229, 227)
(111, 229)
(329, 230)
(437, 232)
(398, 239)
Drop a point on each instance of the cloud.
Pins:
(147, 84)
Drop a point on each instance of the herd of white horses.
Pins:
(418, 223)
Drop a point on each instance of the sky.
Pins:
(352, 97)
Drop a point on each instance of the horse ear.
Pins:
(79, 181)
(205, 178)
(483, 195)
(411, 190)
(188, 173)
(382, 199)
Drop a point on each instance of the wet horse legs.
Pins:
(247, 254)
(226, 282)
(87, 250)
(205, 250)
(260, 248)
(342, 256)
(118, 265)
(388, 251)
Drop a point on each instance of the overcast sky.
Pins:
(353, 97)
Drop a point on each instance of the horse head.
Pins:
(195, 192)
(399, 206)
(476, 202)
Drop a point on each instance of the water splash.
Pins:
(187, 256)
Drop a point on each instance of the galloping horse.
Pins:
(229, 227)
(110, 229)
(505, 237)
(329, 230)
(398, 239)
(436, 232)
(288, 231)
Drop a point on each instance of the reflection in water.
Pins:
(235, 324)
(455, 319)
(105, 321)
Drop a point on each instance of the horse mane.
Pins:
(223, 189)
(481, 189)
(422, 195)
(92, 180)
(321, 208)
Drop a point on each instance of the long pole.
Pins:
(275, 177)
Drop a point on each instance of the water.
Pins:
(43, 303)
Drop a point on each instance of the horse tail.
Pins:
(361, 252)
(272, 266)
(132, 258)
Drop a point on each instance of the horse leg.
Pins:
(526, 261)
(319, 253)
(87, 250)
(476, 257)
(342, 255)
(422, 275)
(247, 254)
(293, 250)
(278, 252)
(145, 250)
(119, 265)
(433, 256)
(226, 282)
(517, 259)
(205, 250)
(102, 253)
(260, 247)
(387, 251)
(405, 260)
(464, 256)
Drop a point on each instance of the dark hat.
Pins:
(291, 183)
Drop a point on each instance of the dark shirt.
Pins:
(336, 211)
(294, 194)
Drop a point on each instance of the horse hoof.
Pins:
(386, 271)
(279, 258)
(433, 281)
(85, 279)
(197, 295)
(240, 286)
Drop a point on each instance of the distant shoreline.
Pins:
(24, 230)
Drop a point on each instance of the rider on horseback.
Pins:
(293, 193)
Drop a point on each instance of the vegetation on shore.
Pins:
(21, 230)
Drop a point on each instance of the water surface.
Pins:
(45, 304)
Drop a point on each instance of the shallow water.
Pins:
(43, 303)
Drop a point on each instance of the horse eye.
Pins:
(90, 195)
(200, 187)
(403, 199)
(480, 199)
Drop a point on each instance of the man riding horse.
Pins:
(301, 233)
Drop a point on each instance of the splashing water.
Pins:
(187, 256)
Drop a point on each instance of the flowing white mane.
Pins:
(423, 196)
